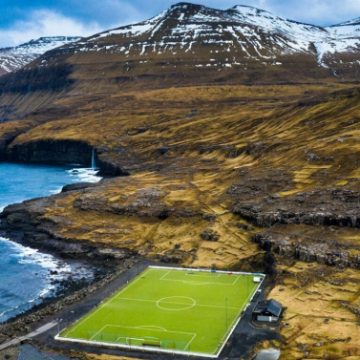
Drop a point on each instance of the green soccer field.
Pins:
(164, 309)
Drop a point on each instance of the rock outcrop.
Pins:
(328, 207)
(25, 223)
(323, 247)
(51, 152)
(77, 186)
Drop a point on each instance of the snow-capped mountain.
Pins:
(229, 37)
(13, 58)
(350, 22)
(194, 43)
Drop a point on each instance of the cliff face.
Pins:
(52, 152)
(321, 207)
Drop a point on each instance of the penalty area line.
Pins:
(174, 303)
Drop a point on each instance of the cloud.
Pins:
(45, 23)
(319, 12)
(79, 17)
(117, 12)
(108, 13)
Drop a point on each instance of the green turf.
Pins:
(177, 310)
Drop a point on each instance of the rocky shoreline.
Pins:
(105, 264)
(51, 308)
(20, 223)
(69, 291)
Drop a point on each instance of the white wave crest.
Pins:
(85, 174)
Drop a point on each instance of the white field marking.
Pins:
(201, 282)
(131, 338)
(137, 328)
(205, 276)
(221, 275)
(237, 319)
(164, 276)
(182, 306)
(141, 348)
(191, 340)
(151, 327)
(191, 282)
(140, 276)
(209, 306)
(98, 332)
(127, 338)
(205, 270)
(193, 335)
(243, 308)
(105, 302)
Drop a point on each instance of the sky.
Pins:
(23, 20)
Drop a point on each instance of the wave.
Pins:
(26, 272)
(85, 174)
(27, 255)
(80, 175)
(51, 270)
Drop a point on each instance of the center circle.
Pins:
(176, 303)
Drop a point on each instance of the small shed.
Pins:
(267, 311)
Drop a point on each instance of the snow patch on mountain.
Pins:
(12, 59)
(242, 34)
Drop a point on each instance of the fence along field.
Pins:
(175, 310)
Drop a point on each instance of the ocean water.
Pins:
(26, 275)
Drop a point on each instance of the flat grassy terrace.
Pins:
(166, 309)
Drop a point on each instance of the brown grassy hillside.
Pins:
(212, 167)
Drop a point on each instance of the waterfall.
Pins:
(93, 159)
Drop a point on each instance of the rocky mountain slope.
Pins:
(241, 38)
(14, 58)
(243, 32)
(188, 45)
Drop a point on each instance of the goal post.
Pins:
(174, 344)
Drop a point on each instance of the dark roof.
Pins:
(274, 307)
(270, 306)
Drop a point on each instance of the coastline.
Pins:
(57, 274)
(106, 267)
(54, 272)
(106, 264)
(52, 307)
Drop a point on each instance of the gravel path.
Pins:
(37, 332)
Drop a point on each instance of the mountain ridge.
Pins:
(243, 39)
(248, 33)
(14, 58)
